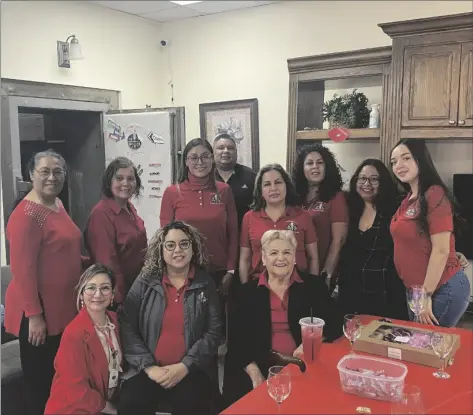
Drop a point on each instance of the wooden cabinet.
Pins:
(430, 85)
(432, 77)
(465, 108)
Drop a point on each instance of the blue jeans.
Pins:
(450, 300)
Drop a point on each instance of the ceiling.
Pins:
(167, 11)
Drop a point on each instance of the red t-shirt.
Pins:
(281, 336)
(171, 346)
(323, 215)
(212, 212)
(411, 249)
(46, 264)
(255, 224)
(117, 238)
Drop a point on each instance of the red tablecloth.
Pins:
(318, 390)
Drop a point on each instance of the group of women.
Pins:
(302, 237)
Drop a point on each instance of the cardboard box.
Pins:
(395, 341)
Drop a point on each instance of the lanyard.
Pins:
(106, 331)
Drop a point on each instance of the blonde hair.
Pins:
(154, 260)
(90, 273)
(273, 235)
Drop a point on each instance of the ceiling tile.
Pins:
(137, 7)
(210, 7)
(172, 14)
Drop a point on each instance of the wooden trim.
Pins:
(361, 57)
(16, 87)
(386, 139)
(337, 73)
(355, 134)
(292, 122)
(453, 22)
(438, 133)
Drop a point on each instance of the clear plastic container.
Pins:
(371, 377)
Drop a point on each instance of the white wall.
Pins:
(121, 51)
(243, 54)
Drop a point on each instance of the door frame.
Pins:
(19, 93)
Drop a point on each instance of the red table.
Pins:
(318, 390)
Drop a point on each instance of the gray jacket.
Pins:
(142, 316)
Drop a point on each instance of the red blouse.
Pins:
(117, 238)
(211, 211)
(46, 264)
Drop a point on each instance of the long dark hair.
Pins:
(111, 170)
(428, 177)
(331, 184)
(184, 170)
(291, 195)
(386, 200)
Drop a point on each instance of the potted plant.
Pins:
(349, 110)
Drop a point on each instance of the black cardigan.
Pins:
(252, 337)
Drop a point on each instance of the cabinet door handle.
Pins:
(461, 122)
(451, 122)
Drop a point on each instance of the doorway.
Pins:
(63, 131)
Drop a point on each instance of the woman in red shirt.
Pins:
(199, 200)
(89, 358)
(422, 230)
(275, 207)
(115, 234)
(318, 182)
(45, 261)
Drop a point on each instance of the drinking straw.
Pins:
(312, 332)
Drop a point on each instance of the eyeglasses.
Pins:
(171, 245)
(104, 290)
(45, 173)
(204, 158)
(373, 181)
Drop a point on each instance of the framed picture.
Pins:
(239, 119)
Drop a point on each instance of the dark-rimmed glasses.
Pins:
(204, 158)
(171, 245)
(373, 181)
(92, 289)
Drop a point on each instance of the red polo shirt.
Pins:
(323, 215)
(210, 210)
(255, 224)
(117, 238)
(281, 337)
(411, 249)
(171, 346)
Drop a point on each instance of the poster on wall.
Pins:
(239, 119)
(145, 139)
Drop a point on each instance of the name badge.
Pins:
(113, 378)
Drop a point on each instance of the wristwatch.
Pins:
(325, 275)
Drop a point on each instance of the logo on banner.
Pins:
(134, 141)
(215, 199)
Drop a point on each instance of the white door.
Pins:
(144, 138)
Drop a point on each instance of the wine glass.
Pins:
(410, 402)
(279, 384)
(416, 298)
(442, 344)
(352, 328)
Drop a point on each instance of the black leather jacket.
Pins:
(142, 316)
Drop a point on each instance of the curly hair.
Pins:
(258, 200)
(154, 259)
(332, 182)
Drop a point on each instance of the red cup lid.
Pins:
(338, 134)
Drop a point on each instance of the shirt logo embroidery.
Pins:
(411, 212)
(215, 199)
(318, 206)
(292, 226)
(244, 186)
(202, 298)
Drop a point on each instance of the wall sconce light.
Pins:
(67, 52)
